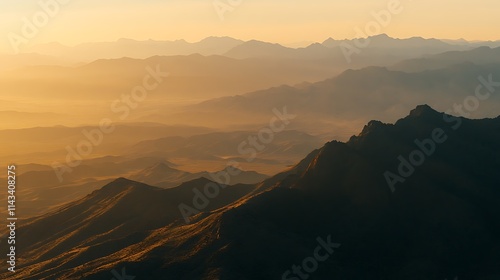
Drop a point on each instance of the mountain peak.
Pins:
(370, 127)
(119, 181)
(201, 181)
(121, 184)
(382, 36)
(161, 166)
(422, 111)
(220, 40)
(125, 40)
(330, 39)
(376, 128)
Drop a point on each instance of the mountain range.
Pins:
(164, 176)
(138, 49)
(336, 103)
(438, 219)
(238, 48)
(380, 50)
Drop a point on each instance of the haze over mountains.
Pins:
(231, 47)
(162, 175)
(138, 49)
(239, 69)
(379, 50)
(221, 170)
(354, 97)
(441, 221)
(480, 55)
(249, 140)
(236, 69)
(163, 162)
(335, 107)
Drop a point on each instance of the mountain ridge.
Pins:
(450, 204)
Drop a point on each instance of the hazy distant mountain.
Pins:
(255, 66)
(191, 78)
(441, 222)
(50, 143)
(42, 191)
(16, 61)
(214, 151)
(314, 53)
(244, 49)
(162, 175)
(330, 48)
(482, 55)
(138, 49)
(27, 119)
(379, 50)
(256, 48)
(461, 41)
(383, 41)
(161, 172)
(285, 145)
(354, 97)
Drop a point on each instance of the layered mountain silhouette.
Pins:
(384, 41)
(285, 144)
(481, 55)
(138, 49)
(149, 161)
(379, 50)
(165, 176)
(438, 222)
(354, 97)
(190, 77)
(108, 217)
(10, 62)
(47, 142)
(245, 49)
(44, 192)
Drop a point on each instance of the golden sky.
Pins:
(282, 21)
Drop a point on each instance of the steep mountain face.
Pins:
(440, 222)
(118, 215)
(434, 218)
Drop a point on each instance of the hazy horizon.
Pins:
(256, 140)
(288, 23)
(288, 44)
